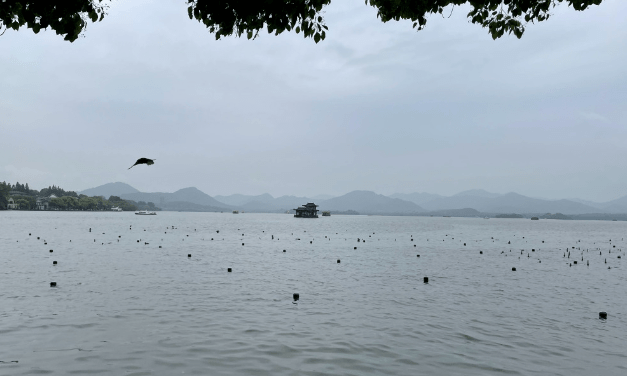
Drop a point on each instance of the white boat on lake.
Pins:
(145, 212)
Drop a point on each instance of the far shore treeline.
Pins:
(57, 198)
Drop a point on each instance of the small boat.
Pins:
(145, 212)
(235, 212)
(326, 213)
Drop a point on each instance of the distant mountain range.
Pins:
(475, 202)
(367, 202)
(110, 189)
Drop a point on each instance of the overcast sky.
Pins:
(375, 106)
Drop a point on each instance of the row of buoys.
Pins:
(296, 296)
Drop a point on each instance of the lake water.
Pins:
(123, 307)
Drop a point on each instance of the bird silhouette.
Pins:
(143, 161)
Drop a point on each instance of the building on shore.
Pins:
(307, 211)
(11, 205)
(18, 193)
(43, 203)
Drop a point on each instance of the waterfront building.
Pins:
(307, 211)
(43, 203)
(11, 205)
(18, 193)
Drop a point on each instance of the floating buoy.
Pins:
(159, 246)
(425, 279)
(533, 250)
(480, 252)
(54, 263)
(229, 270)
(189, 255)
(284, 251)
(51, 251)
(338, 261)
(513, 269)
(242, 243)
(603, 315)
(414, 245)
(354, 247)
(53, 284)
(575, 262)
(296, 296)
(464, 244)
(417, 255)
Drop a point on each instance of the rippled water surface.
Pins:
(129, 300)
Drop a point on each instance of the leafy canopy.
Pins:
(69, 18)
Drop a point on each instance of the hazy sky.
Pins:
(375, 106)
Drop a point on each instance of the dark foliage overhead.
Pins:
(66, 17)
(236, 17)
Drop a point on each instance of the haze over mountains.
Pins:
(468, 203)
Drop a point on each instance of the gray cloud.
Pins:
(374, 106)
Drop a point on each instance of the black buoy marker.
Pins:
(603, 315)
(296, 296)
(229, 270)
(513, 269)
(54, 263)
(425, 279)
(53, 284)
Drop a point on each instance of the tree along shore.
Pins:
(20, 197)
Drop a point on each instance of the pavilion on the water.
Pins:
(307, 211)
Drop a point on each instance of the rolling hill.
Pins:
(366, 202)
(110, 189)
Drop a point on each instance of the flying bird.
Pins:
(143, 161)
